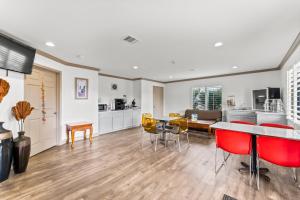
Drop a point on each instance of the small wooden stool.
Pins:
(79, 126)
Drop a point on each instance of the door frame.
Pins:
(163, 98)
(58, 99)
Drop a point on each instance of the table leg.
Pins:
(245, 169)
(84, 134)
(91, 135)
(209, 130)
(73, 138)
(68, 136)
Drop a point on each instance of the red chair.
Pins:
(279, 151)
(232, 142)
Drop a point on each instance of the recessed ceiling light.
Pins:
(234, 67)
(50, 44)
(135, 67)
(218, 44)
(170, 77)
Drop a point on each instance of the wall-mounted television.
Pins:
(16, 56)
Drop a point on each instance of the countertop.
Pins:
(133, 108)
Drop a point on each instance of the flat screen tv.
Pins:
(15, 56)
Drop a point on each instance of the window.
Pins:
(207, 98)
(293, 93)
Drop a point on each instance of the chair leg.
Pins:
(225, 158)
(156, 138)
(178, 140)
(187, 137)
(257, 178)
(250, 182)
(142, 139)
(295, 174)
(216, 153)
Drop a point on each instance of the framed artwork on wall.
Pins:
(81, 88)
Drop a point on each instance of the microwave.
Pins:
(102, 107)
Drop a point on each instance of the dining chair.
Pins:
(180, 127)
(278, 151)
(144, 115)
(233, 142)
(150, 126)
(174, 114)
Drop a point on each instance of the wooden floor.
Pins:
(115, 167)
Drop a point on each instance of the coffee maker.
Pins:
(120, 104)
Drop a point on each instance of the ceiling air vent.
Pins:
(130, 39)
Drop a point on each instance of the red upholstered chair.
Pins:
(232, 142)
(279, 151)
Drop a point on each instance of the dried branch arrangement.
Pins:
(4, 88)
(21, 111)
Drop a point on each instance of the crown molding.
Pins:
(113, 76)
(290, 51)
(193, 79)
(224, 75)
(47, 55)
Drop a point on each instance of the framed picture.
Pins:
(81, 88)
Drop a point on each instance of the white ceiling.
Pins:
(256, 34)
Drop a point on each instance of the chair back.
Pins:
(233, 141)
(182, 123)
(174, 115)
(145, 115)
(149, 125)
(279, 151)
(241, 122)
(276, 125)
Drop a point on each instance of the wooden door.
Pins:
(41, 125)
(158, 101)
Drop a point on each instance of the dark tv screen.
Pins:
(274, 93)
(15, 56)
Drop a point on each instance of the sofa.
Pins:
(205, 118)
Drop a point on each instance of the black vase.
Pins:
(6, 146)
(21, 152)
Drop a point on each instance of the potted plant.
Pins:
(6, 144)
(21, 144)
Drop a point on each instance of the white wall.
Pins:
(147, 95)
(72, 110)
(106, 94)
(178, 96)
(15, 94)
(137, 92)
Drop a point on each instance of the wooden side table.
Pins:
(79, 126)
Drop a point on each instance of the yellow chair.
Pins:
(144, 115)
(174, 115)
(150, 126)
(181, 125)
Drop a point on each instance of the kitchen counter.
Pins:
(133, 108)
(115, 120)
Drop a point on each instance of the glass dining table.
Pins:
(255, 131)
(164, 120)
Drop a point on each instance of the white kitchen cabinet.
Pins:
(118, 120)
(105, 122)
(110, 121)
(128, 118)
(136, 117)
